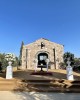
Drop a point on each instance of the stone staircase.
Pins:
(7, 85)
(72, 86)
(40, 85)
(52, 86)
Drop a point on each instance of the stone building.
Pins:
(41, 50)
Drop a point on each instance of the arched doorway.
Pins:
(42, 59)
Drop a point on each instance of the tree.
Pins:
(16, 62)
(62, 65)
(76, 64)
(10, 57)
(77, 61)
(3, 61)
(68, 55)
(13, 58)
(0, 67)
(4, 58)
(20, 56)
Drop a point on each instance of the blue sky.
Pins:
(29, 20)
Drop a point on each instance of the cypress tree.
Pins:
(20, 56)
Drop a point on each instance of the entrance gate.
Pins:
(42, 60)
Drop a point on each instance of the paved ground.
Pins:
(57, 74)
(7, 95)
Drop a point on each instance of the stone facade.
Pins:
(53, 51)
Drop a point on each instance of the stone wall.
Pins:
(33, 49)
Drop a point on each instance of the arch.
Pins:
(41, 52)
(41, 57)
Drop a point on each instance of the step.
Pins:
(4, 82)
(54, 85)
(56, 80)
(36, 80)
(68, 81)
(53, 89)
(77, 86)
(71, 85)
(6, 85)
(47, 86)
(43, 89)
(39, 85)
(7, 80)
(6, 88)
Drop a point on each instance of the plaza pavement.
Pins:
(25, 74)
(8, 95)
(57, 74)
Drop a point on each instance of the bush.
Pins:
(0, 66)
(76, 68)
(62, 65)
